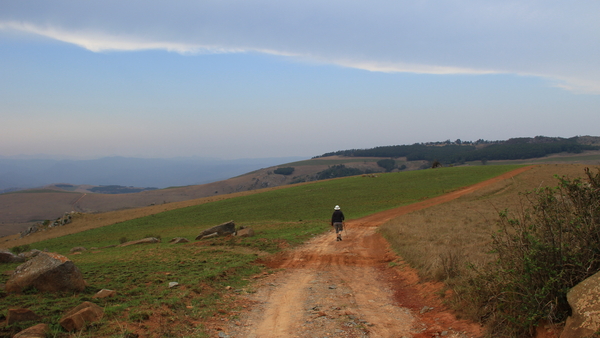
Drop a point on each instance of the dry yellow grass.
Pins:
(440, 240)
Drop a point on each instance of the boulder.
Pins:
(584, 300)
(227, 228)
(29, 254)
(48, 272)
(77, 318)
(37, 331)
(178, 240)
(245, 232)
(20, 315)
(105, 293)
(149, 240)
(213, 235)
(7, 257)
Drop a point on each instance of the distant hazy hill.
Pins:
(157, 173)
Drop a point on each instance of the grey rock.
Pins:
(149, 240)
(213, 235)
(77, 318)
(49, 272)
(7, 257)
(179, 240)
(223, 229)
(584, 300)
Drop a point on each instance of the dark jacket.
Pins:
(337, 217)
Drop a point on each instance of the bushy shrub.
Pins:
(546, 250)
(284, 171)
(20, 249)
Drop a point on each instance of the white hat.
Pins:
(337, 207)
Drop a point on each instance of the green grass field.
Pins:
(281, 218)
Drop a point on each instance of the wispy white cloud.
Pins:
(102, 42)
(548, 39)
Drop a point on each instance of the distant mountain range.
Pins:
(25, 173)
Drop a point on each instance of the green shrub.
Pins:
(21, 248)
(546, 250)
(284, 171)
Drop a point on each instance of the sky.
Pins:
(271, 78)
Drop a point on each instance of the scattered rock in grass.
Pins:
(77, 249)
(173, 284)
(48, 272)
(9, 257)
(37, 331)
(105, 293)
(245, 232)
(77, 318)
(179, 240)
(20, 315)
(149, 240)
(223, 229)
(583, 299)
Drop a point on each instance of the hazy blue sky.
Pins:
(270, 78)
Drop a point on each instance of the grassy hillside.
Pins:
(211, 271)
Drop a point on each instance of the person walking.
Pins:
(337, 221)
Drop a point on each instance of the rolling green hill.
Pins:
(281, 218)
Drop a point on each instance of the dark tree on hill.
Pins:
(461, 151)
(338, 170)
(284, 171)
(387, 164)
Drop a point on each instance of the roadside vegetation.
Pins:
(510, 252)
(541, 253)
(211, 272)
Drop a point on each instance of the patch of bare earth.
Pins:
(350, 288)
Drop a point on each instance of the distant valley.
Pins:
(112, 184)
(22, 173)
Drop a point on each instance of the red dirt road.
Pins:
(328, 288)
